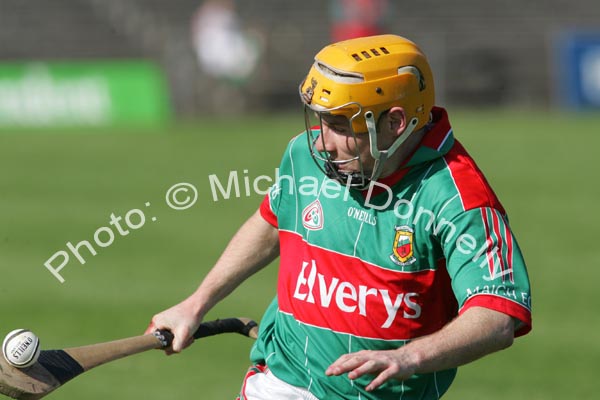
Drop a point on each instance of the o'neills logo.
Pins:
(312, 216)
(402, 250)
(333, 293)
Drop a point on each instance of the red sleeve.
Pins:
(267, 213)
(504, 306)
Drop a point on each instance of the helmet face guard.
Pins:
(360, 179)
(361, 79)
(313, 121)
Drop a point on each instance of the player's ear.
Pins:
(396, 120)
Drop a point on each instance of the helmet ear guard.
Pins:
(381, 156)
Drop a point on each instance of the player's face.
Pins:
(341, 144)
(338, 140)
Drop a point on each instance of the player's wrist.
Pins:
(412, 358)
(195, 306)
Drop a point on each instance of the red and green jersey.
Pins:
(376, 269)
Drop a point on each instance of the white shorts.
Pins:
(261, 384)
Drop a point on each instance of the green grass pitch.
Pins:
(58, 187)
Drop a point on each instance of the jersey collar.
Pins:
(434, 144)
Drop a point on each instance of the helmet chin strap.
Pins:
(381, 156)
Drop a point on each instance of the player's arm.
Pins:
(475, 333)
(253, 247)
(486, 322)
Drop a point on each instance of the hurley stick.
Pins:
(54, 368)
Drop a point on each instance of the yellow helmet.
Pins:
(375, 73)
(361, 79)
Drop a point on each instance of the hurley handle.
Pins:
(243, 326)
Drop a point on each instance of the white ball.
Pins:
(21, 348)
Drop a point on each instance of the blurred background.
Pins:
(220, 55)
(105, 104)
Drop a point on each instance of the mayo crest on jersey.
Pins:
(386, 266)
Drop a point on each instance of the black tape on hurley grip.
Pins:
(211, 328)
(228, 325)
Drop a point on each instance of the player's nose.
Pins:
(326, 140)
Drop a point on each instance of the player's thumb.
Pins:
(181, 340)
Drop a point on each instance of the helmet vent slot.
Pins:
(366, 54)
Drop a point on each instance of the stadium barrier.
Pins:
(82, 93)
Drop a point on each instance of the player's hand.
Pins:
(386, 364)
(181, 320)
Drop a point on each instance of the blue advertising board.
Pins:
(579, 69)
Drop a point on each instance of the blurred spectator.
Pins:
(224, 49)
(355, 18)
